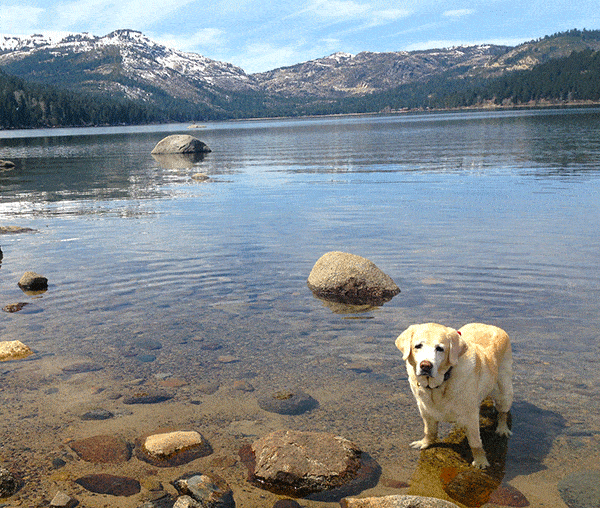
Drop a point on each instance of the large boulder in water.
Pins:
(180, 143)
(299, 464)
(350, 279)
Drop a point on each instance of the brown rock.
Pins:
(300, 463)
(109, 484)
(396, 502)
(350, 279)
(102, 449)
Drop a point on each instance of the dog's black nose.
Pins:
(426, 367)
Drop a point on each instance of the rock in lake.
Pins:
(351, 279)
(9, 483)
(288, 402)
(102, 449)
(62, 500)
(180, 143)
(301, 463)
(31, 281)
(210, 491)
(170, 449)
(396, 502)
(13, 350)
(6, 165)
(109, 484)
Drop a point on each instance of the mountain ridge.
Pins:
(127, 65)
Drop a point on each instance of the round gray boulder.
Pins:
(350, 279)
(180, 143)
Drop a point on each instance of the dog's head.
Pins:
(430, 348)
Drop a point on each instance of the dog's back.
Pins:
(495, 350)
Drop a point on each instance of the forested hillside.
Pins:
(26, 105)
(572, 79)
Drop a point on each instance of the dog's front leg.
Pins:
(431, 432)
(474, 438)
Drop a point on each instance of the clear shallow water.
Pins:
(488, 217)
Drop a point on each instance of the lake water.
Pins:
(159, 280)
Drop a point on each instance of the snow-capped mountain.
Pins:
(122, 63)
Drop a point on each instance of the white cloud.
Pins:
(339, 9)
(385, 16)
(458, 13)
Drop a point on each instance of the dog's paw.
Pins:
(421, 444)
(503, 430)
(479, 459)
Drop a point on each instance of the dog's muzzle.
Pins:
(425, 368)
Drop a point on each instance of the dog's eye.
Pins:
(418, 346)
(439, 348)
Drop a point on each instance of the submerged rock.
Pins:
(102, 449)
(396, 502)
(180, 143)
(14, 307)
(62, 500)
(210, 491)
(9, 483)
(13, 350)
(170, 449)
(351, 279)
(109, 484)
(288, 402)
(147, 397)
(301, 463)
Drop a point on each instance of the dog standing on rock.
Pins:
(452, 371)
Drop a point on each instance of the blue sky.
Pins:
(258, 35)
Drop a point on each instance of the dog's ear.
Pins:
(404, 340)
(458, 347)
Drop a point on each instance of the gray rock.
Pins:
(9, 483)
(180, 143)
(62, 500)
(350, 279)
(581, 489)
(97, 414)
(210, 491)
(6, 164)
(32, 281)
(396, 502)
(301, 463)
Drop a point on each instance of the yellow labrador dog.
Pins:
(452, 371)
